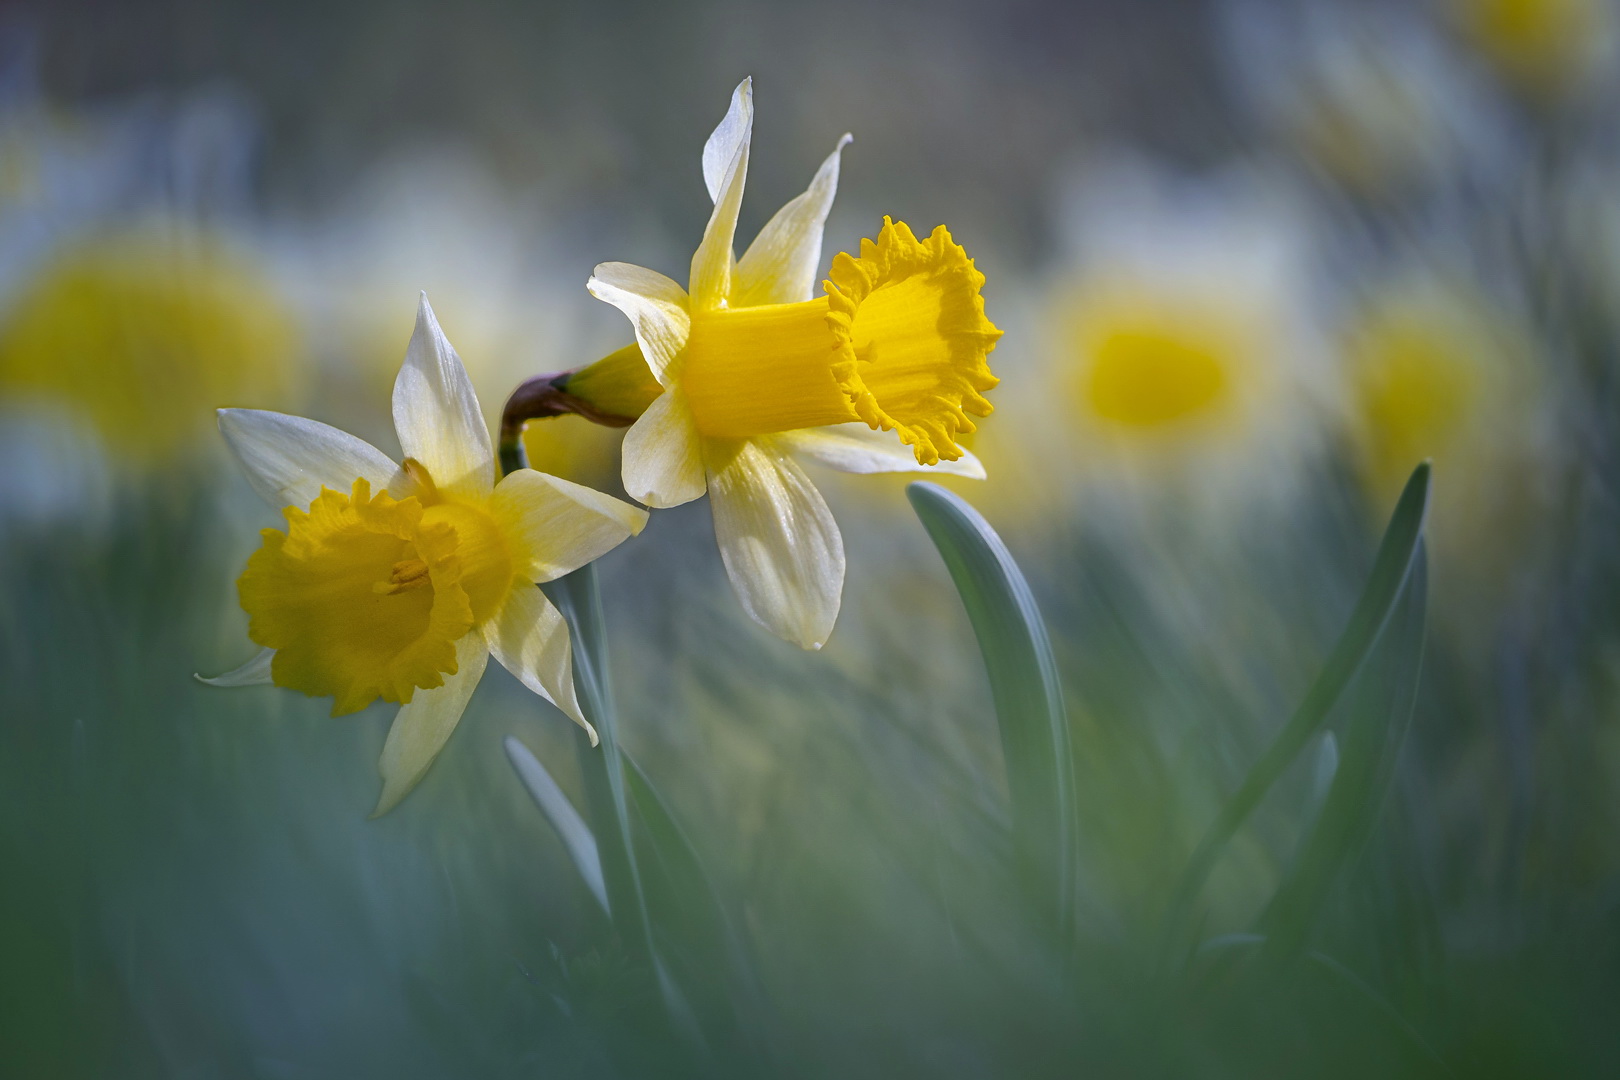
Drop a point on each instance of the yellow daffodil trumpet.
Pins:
(734, 378)
(399, 581)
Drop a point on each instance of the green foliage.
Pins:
(1028, 695)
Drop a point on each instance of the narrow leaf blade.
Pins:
(561, 815)
(1397, 552)
(1380, 714)
(1025, 687)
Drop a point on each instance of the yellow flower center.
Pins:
(900, 341)
(1418, 385)
(1158, 362)
(1148, 377)
(364, 596)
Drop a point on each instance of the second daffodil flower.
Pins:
(399, 581)
(752, 372)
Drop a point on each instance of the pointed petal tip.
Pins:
(424, 312)
(391, 797)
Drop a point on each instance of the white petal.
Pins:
(856, 448)
(530, 639)
(778, 540)
(732, 134)
(725, 170)
(436, 413)
(558, 526)
(663, 454)
(421, 728)
(780, 266)
(655, 306)
(288, 459)
(256, 672)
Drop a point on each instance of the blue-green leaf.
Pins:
(1025, 687)
(577, 597)
(1380, 712)
(563, 818)
(1397, 554)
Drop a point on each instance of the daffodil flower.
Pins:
(399, 581)
(753, 373)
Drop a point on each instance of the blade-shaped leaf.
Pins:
(1380, 712)
(695, 933)
(1024, 685)
(564, 819)
(1397, 553)
(577, 597)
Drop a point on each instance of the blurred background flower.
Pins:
(1181, 357)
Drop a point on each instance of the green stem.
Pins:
(577, 596)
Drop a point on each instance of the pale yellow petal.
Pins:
(655, 306)
(663, 455)
(421, 728)
(856, 448)
(556, 526)
(530, 639)
(779, 542)
(782, 264)
(288, 459)
(436, 413)
(725, 170)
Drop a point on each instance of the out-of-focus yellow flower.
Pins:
(1437, 372)
(143, 333)
(1180, 357)
(399, 581)
(748, 371)
(1544, 47)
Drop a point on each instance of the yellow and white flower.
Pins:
(753, 373)
(1183, 367)
(398, 581)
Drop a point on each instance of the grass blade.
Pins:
(1397, 553)
(564, 819)
(578, 598)
(1024, 685)
(1380, 714)
(695, 933)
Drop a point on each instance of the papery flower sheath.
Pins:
(745, 372)
(399, 581)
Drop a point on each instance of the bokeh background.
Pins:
(1254, 261)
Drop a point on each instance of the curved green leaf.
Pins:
(1380, 712)
(578, 598)
(1397, 553)
(1024, 685)
(563, 818)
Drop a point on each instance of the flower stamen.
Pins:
(407, 574)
